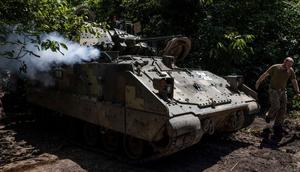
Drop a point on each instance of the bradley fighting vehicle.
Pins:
(134, 99)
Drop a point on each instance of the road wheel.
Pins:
(110, 140)
(90, 134)
(134, 148)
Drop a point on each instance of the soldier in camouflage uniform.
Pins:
(279, 73)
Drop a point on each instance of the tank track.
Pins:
(119, 156)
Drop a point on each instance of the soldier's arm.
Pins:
(261, 78)
(296, 87)
(294, 82)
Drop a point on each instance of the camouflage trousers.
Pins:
(278, 101)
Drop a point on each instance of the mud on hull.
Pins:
(149, 135)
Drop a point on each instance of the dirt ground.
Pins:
(252, 149)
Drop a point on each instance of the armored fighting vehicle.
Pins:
(133, 97)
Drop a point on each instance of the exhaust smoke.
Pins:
(37, 67)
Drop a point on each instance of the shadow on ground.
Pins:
(196, 158)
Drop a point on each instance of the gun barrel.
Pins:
(158, 38)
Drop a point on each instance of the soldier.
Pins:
(280, 73)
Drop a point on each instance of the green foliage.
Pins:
(30, 18)
(54, 15)
(41, 16)
(53, 45)
(296, 103)
(294, 114)
(228, 36)
(232, 49)
(236, 32)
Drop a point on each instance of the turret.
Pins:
(124, 43)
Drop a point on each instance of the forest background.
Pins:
(228, 36)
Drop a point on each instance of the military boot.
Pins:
(267, 119)
(279, 130)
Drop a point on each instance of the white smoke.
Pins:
(37, 67)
